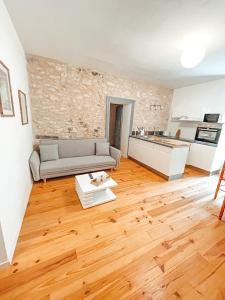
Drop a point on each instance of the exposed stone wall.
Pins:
(70, 102)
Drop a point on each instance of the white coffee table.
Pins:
(91, 195)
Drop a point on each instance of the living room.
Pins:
(112, 133)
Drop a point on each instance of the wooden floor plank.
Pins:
(158, 240)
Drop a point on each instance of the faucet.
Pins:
(142, 131)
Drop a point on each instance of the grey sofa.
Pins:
(74, 157)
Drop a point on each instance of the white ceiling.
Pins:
(141, 39)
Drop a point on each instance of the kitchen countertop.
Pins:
(163, 141)
(188, 140)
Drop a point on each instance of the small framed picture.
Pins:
(23, 107)
(6, 100)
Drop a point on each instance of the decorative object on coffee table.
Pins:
(6, 100)
(23, 107)
(91, 194)
(100, 179)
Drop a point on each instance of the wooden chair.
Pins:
(222, 209)
(221, 179)
(218, 188)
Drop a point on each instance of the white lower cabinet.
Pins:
(166, 160)
(171, 161)
(150, 154)
(203, 157)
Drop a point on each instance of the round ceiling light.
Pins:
(192, 56)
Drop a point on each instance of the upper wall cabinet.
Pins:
(192, 102)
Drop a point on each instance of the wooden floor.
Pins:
(158, 240)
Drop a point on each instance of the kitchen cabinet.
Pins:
(184, 108)
(192, 102)
(202, 156)
(168, 161)
(207, 157)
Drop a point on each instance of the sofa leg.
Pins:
(44, 180)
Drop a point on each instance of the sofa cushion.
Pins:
(74, 147)
(102, 148)
(76, 164)
(49, 152)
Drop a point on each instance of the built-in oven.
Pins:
(207, 134)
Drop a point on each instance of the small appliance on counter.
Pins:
(211, 118)
(139, 131)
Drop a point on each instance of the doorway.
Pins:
(119, 120)
(115, 124)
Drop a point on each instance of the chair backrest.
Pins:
(73, 147)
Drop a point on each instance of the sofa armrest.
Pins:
(35, 163)
(116, 154)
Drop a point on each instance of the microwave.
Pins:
(211, 118)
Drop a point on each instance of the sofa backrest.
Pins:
(73, 147)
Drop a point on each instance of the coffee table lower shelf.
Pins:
(95, 198)
(91, 195)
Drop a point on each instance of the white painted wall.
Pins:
(16, 140)
(188, 129)
(125, 129)
(3, 256)
(193, 102)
